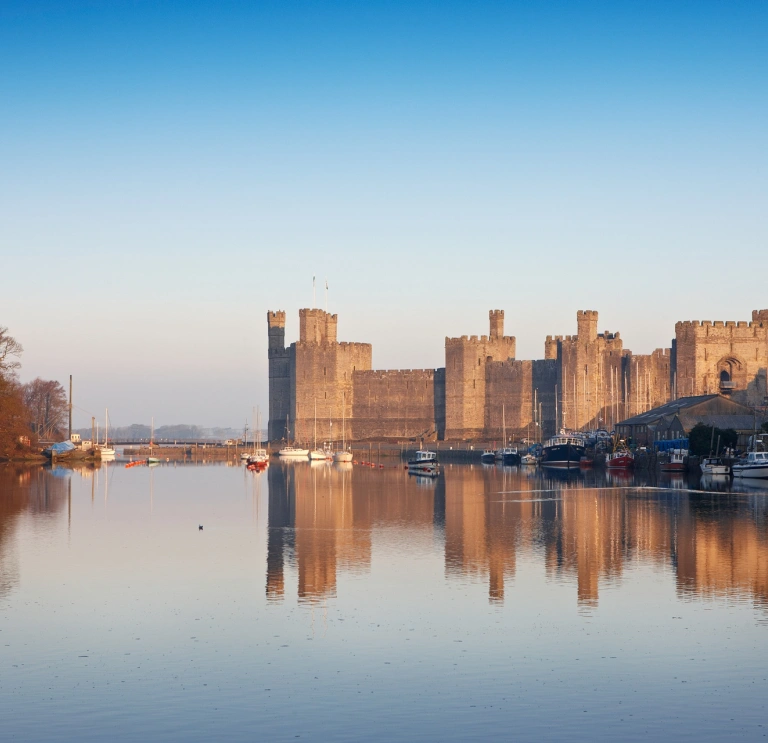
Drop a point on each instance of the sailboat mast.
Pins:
(503, 426)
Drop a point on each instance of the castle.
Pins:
(587, 380)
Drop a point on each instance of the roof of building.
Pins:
(731, 414)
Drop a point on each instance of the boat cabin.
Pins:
(425, 456)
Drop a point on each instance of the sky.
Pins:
(170, 171)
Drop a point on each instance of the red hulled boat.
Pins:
(620, 460)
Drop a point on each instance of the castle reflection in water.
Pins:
(323, 521)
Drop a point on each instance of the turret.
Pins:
(317, 326)
(586, 321)
(760, 316)
(497, 323)
(276, 329)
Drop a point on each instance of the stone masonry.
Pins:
(588, 380)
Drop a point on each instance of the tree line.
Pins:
(29, 412)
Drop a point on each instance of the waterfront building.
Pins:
(675, 419)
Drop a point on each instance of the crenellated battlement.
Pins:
(395, 374)
(276, 319)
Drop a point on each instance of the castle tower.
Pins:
(497, 323)
(586, 321)
(279, 376)
(276, 329)
(550, 346)
(466, 359)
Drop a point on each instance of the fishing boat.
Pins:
(621, 459)
(677, 461)
(754, 466)
(508, 455)
(563, 451)
(423, 463)
(488, 456)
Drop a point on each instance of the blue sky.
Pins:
(171, 171)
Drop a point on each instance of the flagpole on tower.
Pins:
(314, 302)
(326, 295)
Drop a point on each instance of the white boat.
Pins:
(754, 465)
(423, 463)
(714, 466)
(528, 459)
(343, 455)
(259, 457)
(293, 452)
(316, 454)
(106, 450)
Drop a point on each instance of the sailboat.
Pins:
(316, 453)
(150, 458)
(106, 451)
(260, 458)
(292, 452)
(507, 454)
(343, 455)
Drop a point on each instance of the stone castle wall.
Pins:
(402, 404)
(587, 380)
(520, 398)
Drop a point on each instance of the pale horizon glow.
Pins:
(172, 171)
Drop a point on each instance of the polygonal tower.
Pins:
(279, 376)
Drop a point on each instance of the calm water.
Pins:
(322, 604)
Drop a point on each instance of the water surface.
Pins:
(321, 603)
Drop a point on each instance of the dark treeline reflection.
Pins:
(25, 490)
(485, 519)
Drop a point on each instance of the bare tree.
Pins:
(45, 403)
(10, 350)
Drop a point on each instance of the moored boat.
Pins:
(622, 459)
(488, 456)
(754, 466)
(528, 459)
(563, 451)
(423, 463)
(293, 452)
(677, 461)
(508, 455)
(714, 466)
